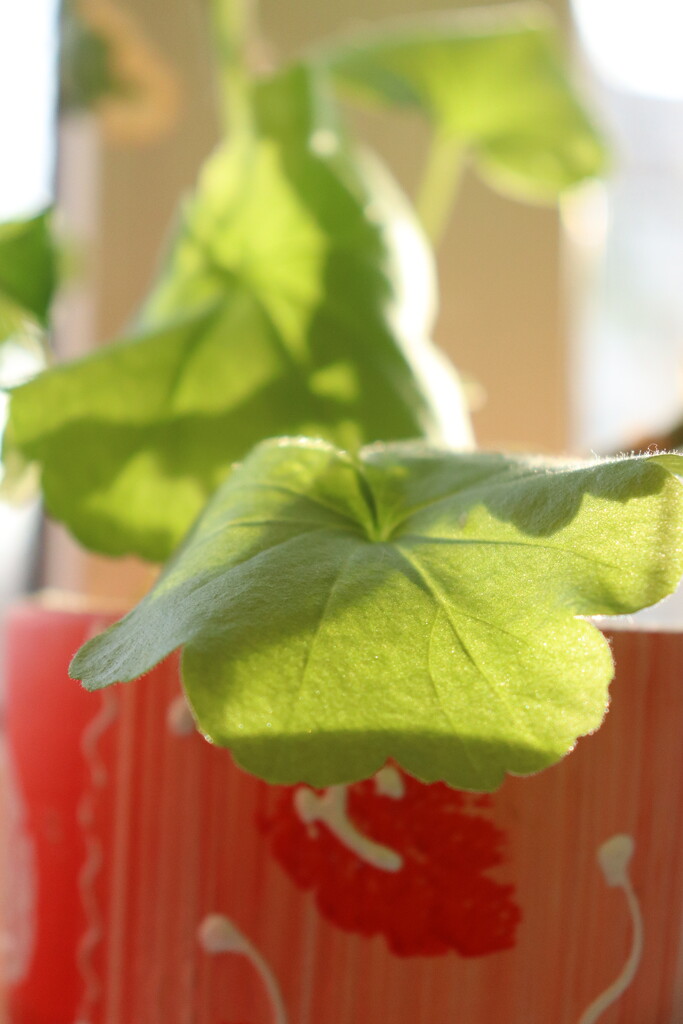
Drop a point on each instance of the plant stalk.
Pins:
(440, 181)
(232, 20)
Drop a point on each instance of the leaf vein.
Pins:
(425, 539)
(296, 697)
(440, 600)
(292, 493)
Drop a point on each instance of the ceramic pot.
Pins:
(153, 882)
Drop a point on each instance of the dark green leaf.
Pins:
(408, 603)
(491, 80)
(296, 300)
(27, 273)
(27, 282)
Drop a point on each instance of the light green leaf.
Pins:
(295, 300)
(409, 603)
(494, 81)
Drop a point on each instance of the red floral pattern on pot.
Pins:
(440, 898)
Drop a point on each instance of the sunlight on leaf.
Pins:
(296, 299)
(492, 80)
(408, 603)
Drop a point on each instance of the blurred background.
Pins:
(567, 325)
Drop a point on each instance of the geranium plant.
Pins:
(348, 584)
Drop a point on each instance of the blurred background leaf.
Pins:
(108, 66)
(28, 272)
(491, 81)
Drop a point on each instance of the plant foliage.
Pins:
(492, 81)
(282, 309)
(341, 604)
(410, 603)
(27, 276)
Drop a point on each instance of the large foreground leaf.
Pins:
(410, 603)
(492, 81)
(295, 300)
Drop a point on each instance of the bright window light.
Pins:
(28, 59)
(28, 55)
(635, 45)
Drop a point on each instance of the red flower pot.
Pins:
(152, 882)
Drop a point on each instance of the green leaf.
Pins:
(27, 278)
(296, 300)
(494, 81)
(27, 265)
(409, 603)
(88, 66)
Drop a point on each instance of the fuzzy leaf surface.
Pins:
(408, 603)
(494, 81)
(296, 299)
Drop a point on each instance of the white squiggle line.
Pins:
(93, 858)
(218, 934)
(614, 857)
(330, 808)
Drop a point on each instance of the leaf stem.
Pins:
(232, 21)
(439, 185)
